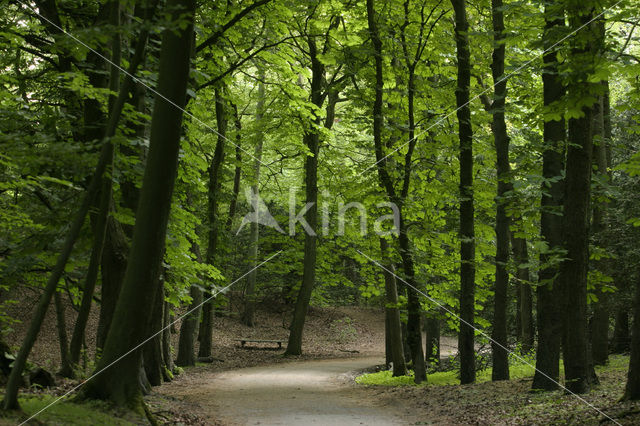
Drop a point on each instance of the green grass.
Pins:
(383, 378)
(66, 413)
(516, 371)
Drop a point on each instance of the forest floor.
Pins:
(251, 386)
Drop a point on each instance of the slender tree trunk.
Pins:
(206, 328)
(106, 155)
(250, 302)
(414, 318)
(621, 341)
(525, 295)
(466, 339)
(189, 326)
(167, 355)
(414, 329)
(113, 267)
(573, 270)
(237, 174)
(632, 390)
(106, 204)
(66, 369)
(311, 140)
(600, 319)
(548, 290)
(120, 384)
(394, 328)
(499, 344)
(152, 350)
(432, 346)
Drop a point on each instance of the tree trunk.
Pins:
(167, 355)
(525, 296)
(600, 319)
(189, 326)
(152, 350)
(414, 330)
(106, 156)
(548, 290)
(432, 346)
(394, 328)
(632, 390)
(113, 267)
(500, 354)
(311, 140)
(621, 341)
(237, 174)
(467, 233)
(573, 270)
(206, 328)
(66, 370)
(120, 385)
(250, 302)
(414, 318)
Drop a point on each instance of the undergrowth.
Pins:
(66, 413)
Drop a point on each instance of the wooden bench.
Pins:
(243, 342)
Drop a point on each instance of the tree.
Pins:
(466, 341)
(548, 289)
(499, 343)
(632, 390)
(128, 328)
(575, 224)
(213, 197)
(250, 302)
(106, 157)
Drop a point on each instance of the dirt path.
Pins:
(303, 392)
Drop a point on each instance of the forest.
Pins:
(184, 184)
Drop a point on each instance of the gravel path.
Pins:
(293, 393)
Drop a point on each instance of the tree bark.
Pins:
(413, 330)
(120, 385)
(66, 370)
(152, 350)
(432, 345)
(394, 328)
(213, 194)
(113, 267)
(600, 319)
(499, 344)
(248, 316)
(621, 341)
(525, 296)
(632, 390)
(466, 339)
(311, 140)
(548, 291)
(573, 270)
(189, 326)
(167, 355)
